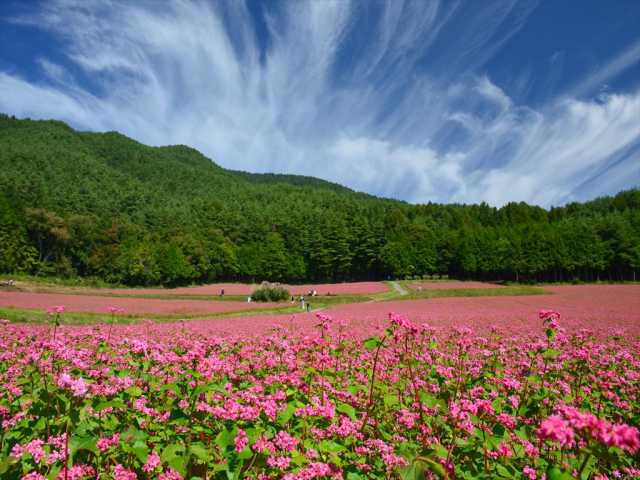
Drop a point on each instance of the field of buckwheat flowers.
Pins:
(171, 402)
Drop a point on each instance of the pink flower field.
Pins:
(449, 284)
(495, 387)
(585, 306)
(599, 308)
(101, 304)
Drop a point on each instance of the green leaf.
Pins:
(432, 465)
(199, 451)
(390, 400)
(554, 473)
(347, 410)
(172, 451)
(173, 455)
(245, 454)
(133, 434)
(6, 462)
(286, 414)
(170, 386)
(53, 473)
(551, 353)
(415, 471)
(141, 450)
(134, 391)
(429, 400)
(82, 443)
(224, 439)
(372, 343)
(502, 471)
(331, 446)
(354, 476)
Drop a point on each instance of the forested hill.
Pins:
(103, 205)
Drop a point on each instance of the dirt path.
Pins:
(401, 291)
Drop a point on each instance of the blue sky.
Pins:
(448, 101)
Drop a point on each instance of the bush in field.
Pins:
(270, 292)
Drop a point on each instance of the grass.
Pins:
(474, 292)
(19, 315)
(92, 282)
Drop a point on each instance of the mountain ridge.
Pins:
(104, 205)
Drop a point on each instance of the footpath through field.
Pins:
(401, 291)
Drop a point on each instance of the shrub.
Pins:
(270, 292)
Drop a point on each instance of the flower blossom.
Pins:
(153, 462)
(555, 428)
(241, 440)
(78, 386)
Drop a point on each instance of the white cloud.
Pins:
(373, 115)
(415, 173)
(629, 57)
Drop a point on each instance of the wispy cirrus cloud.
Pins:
(390, 100)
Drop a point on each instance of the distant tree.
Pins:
(50, 234)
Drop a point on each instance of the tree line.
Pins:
(102, 205)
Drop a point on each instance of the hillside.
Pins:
(103, 205)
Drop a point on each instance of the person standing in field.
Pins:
(302, 301)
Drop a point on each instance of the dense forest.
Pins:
(102, 205)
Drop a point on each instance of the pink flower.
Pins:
(56, 310)
(313, 470)
(406, 418)
(550, 317)
(401, 321)
(624, 437)
(284, 441)
(78, 386)
(279, 462)
(33, 476)
(529, 472)
(170, 475)
(76, 472)
(105, 443)
(241, 440)
(504, 450)
(121, 473)
(325, 321)
(557, 429)
(262, 444)
(35, 449)
(547, 314)
(153, 462)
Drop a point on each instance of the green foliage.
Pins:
(102, 205)
(270, 292)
